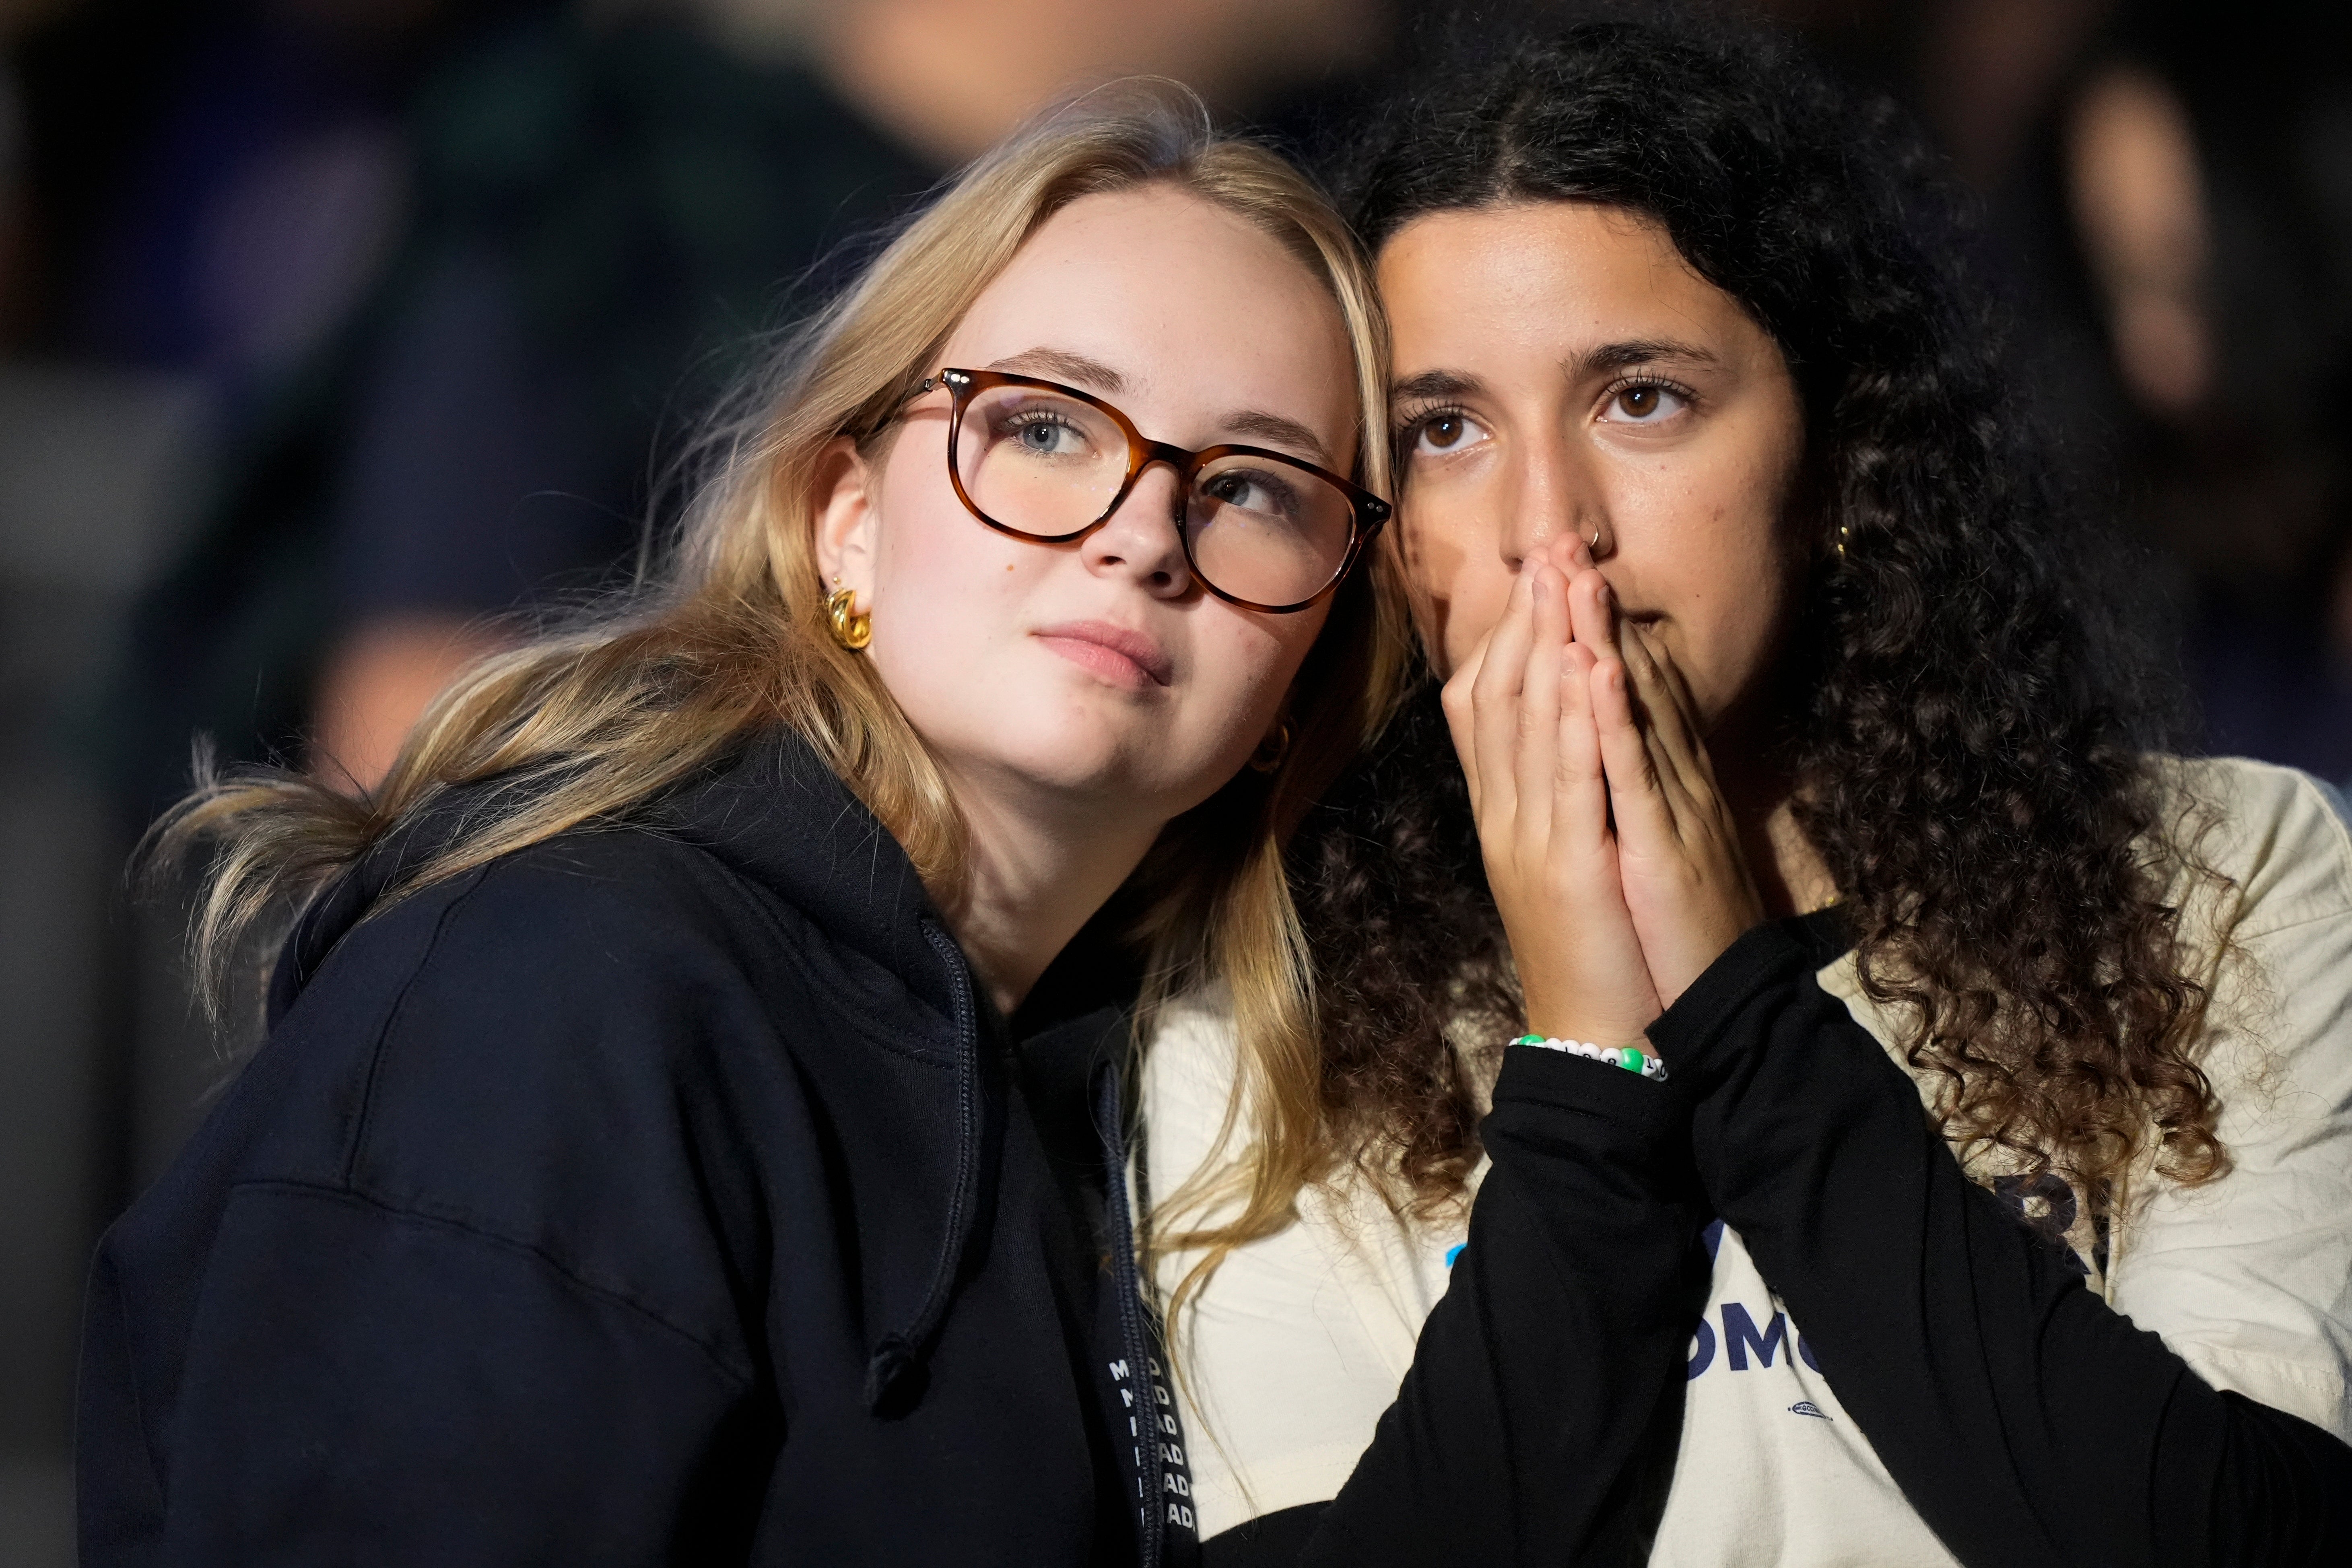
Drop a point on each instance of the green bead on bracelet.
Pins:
(1632, 1058)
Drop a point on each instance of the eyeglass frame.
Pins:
(1367, 515)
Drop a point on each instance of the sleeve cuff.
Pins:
(1769, 956)
(1559, 1082)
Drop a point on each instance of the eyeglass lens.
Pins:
(1041, 463)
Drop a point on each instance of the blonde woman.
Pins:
(685, 1128)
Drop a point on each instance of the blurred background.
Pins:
(332, 331)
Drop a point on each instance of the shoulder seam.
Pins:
(709, 1352)
(2313, 793)
(2328, 801)
(383, 1030)
(2297, 923)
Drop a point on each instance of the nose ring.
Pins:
(1594, 542)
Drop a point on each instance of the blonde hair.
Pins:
(582, 724)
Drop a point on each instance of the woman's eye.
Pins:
(1248, 490)
(1439, 434)
(1047, 437)
(1645, 403)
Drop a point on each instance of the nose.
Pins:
(1555, 494)
(1139, 539)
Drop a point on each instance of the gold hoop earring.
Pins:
(851, 630)
(1841, 540)
(1272, 750)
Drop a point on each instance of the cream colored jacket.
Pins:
(1300, 1340)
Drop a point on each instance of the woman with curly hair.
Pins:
(1803, 772)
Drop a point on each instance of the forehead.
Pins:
(1194, 306)
(1548, 277)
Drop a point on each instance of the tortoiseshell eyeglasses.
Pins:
(1050, 463)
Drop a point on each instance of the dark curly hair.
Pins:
(1969, 727)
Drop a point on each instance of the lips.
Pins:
(1123, 657)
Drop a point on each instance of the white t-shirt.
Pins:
(1300, 1340)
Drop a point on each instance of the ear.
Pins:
(849, 510)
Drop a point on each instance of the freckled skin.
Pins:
(1684, 462)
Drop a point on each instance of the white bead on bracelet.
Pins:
(1632, 1058)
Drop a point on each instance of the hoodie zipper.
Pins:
(899, 1356)
(891, 1383)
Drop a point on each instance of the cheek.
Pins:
(1457, 582)
(1248, 665)
(1729, 602)
(1481, 594)
(935, 554)
(1245, 667)
(945, 585)
(1738, 642)
(935, 567)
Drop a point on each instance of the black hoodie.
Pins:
(660, 1193)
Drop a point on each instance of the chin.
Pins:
(1076, 759)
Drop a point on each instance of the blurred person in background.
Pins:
(605, 200)
(2167, 192)
(264, 200)
(2169, 198)
(2209, 171)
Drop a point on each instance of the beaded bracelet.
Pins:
(1632, 1058)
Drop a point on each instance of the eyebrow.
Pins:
(1637, 351)
(1435, 383)
(1430, 386)
(1275, 428)
(1061, 365)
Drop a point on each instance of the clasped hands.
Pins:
(1612, 857)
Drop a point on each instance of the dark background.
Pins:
(334, 333)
